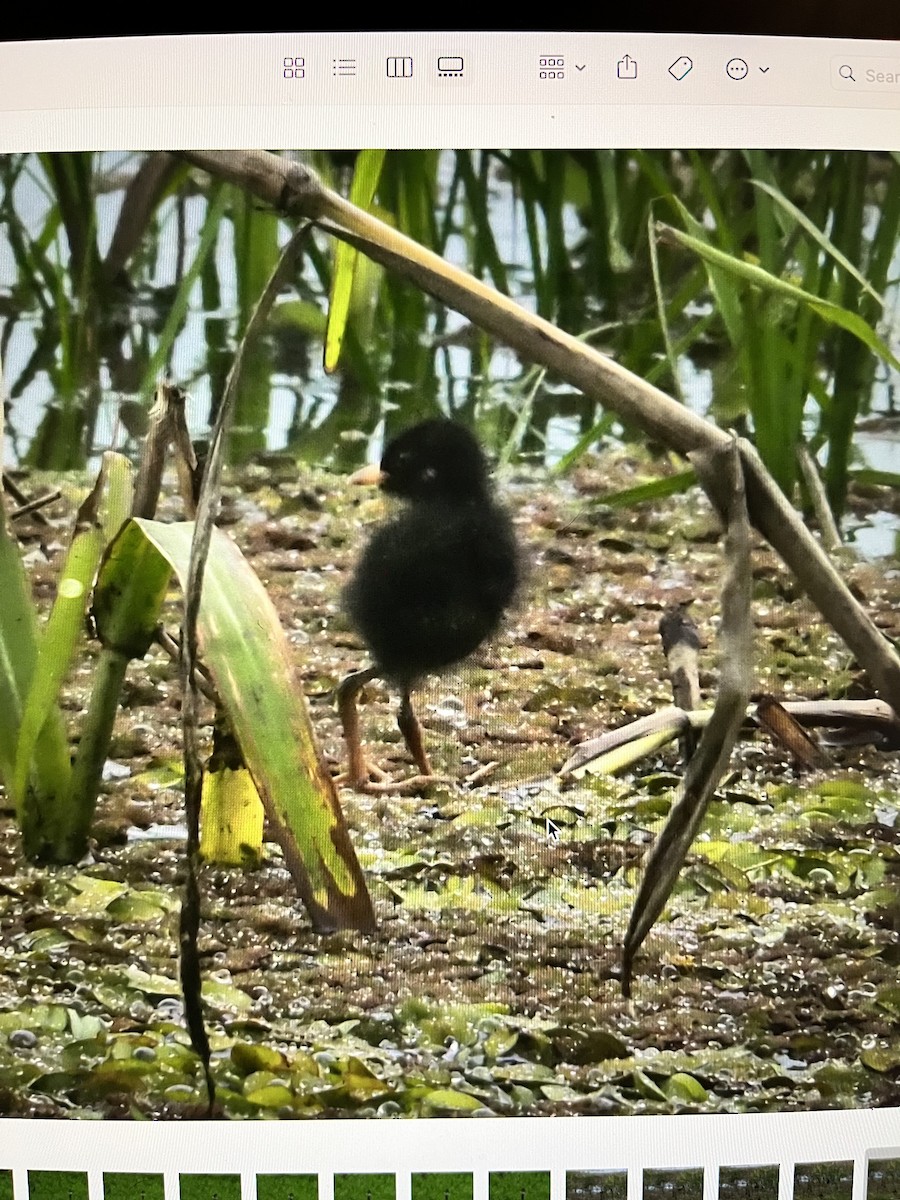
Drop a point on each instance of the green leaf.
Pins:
(445, 1100)
(64, 629)
(273, 1095)
(19, 643)
(647, 1088)
(251, 664)
(869, 475)
(757, 277)
(130, 591)
(654, 489)
(249, 1057)
(686, 1088)
(883, 1058)
(818, 237)
(362, 192)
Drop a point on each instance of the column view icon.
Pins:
(399, 67)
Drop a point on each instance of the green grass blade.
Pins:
(759, 278)
(48, 780)
(209, 234)
(362, 193)
(870, 475)
(58, 644)
(623, 757)
(725, 297)
(654, 489)
(661, 311)
(245, 650)
(18, 650)
(485, 253)
(819, 237)
(65, 626)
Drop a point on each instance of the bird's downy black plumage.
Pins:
(435, 579)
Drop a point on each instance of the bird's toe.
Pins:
(377, 782)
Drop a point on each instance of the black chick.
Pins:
(434, 580)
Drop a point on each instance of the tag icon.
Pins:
(681, 67)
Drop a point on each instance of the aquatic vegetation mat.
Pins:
(502, 896)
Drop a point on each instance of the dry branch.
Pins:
(722, 477)
(295, 191)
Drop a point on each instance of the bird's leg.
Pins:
(409, 726)
(362, 775)
(358, 770)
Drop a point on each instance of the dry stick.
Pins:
(160, 433)
(295, 190)
(33, 505)
(722, 479)
(142, 195)
(778, 723)
(831, 535)
(871, 719)
(681, 646)
(185, 462)
(207, 506)
(168, 644)
(676, 720)
(9, 485)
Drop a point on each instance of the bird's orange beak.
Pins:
(371, 475)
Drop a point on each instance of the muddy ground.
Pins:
(491, 985)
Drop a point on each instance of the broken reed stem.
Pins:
(721, 474)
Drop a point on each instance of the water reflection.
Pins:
(823, 1181)
(118, 268)
(596, 1185)
(673, 1185)
(748, 1183)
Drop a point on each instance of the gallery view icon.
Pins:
(551, 66)
(450, 66)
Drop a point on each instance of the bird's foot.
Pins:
(413, 786)
(376, 782)
(361, 775)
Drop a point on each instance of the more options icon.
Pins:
(736, 68)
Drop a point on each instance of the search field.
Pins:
(852, 73)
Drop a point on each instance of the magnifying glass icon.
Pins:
(846, 72)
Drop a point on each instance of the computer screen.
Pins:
(449, 604)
